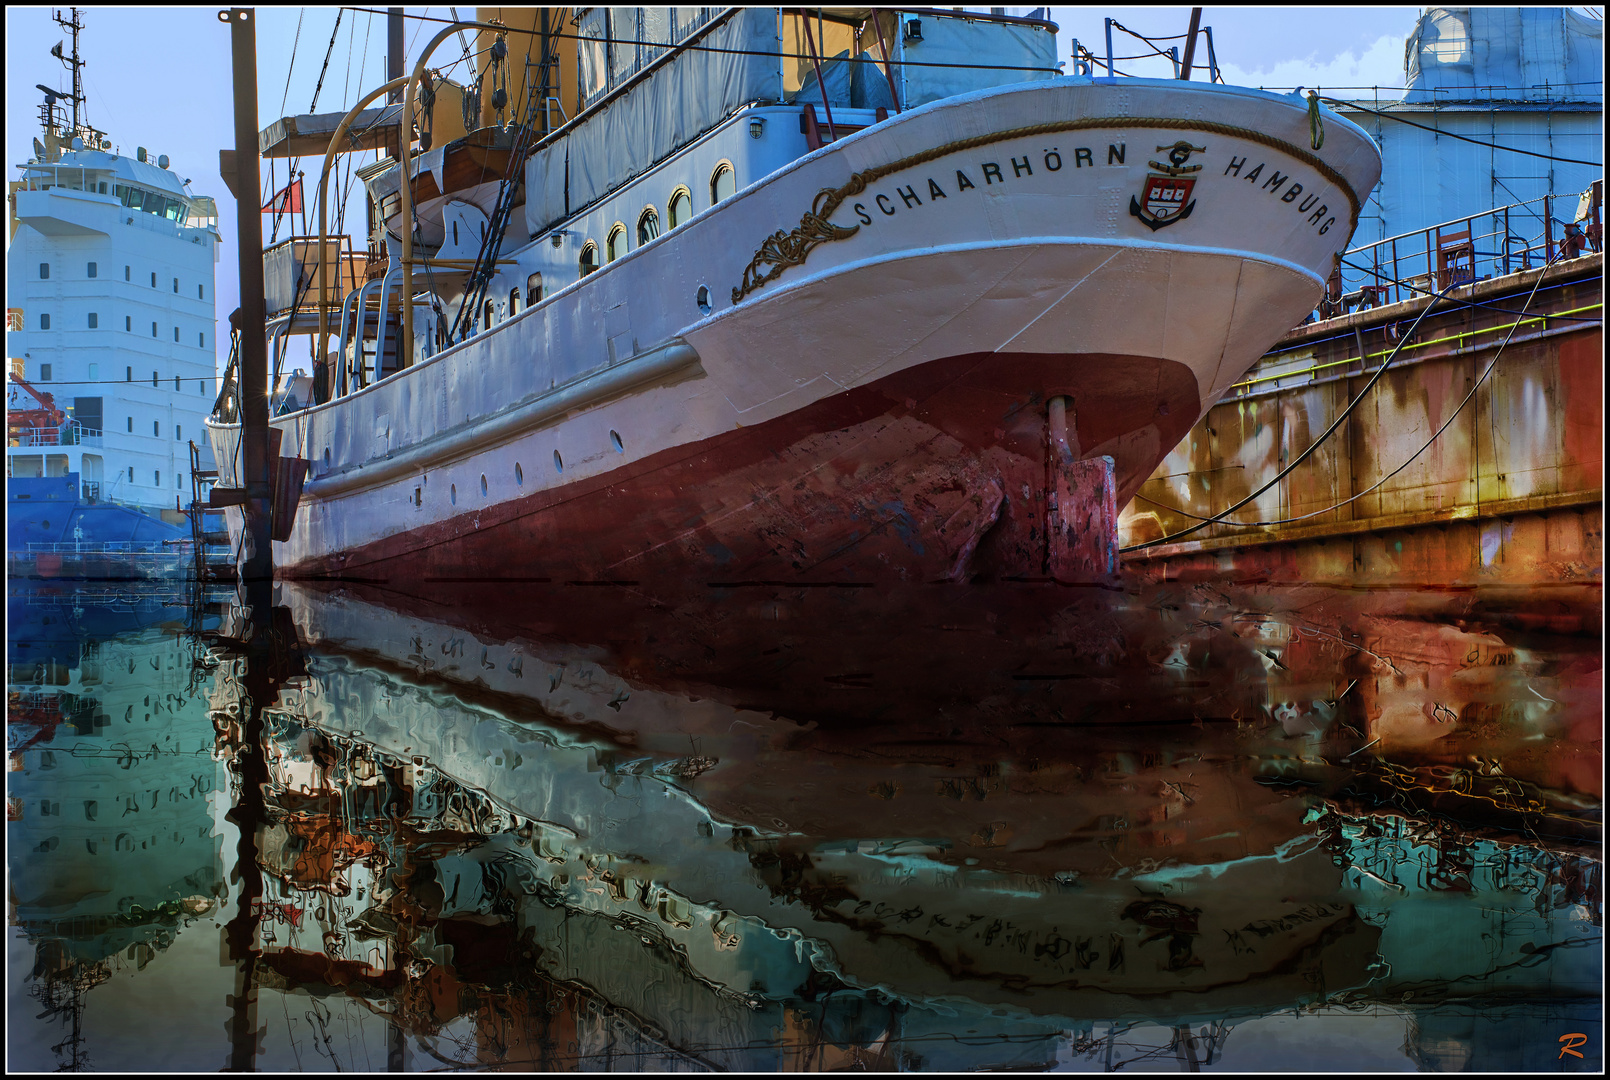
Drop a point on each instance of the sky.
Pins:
(160, 77)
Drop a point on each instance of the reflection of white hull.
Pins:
(636, 841)
(616, 429)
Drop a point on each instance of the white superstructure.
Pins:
(111, 311)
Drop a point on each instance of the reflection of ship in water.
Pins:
(111, 845)
(599, 873)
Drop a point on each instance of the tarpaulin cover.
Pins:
(1026, 54)
(1505, 53)
(663, 112)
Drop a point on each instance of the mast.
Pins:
(73, 26)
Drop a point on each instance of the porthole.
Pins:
(702, 298)
(519, 474)
(452, 494)
(483, 485)
(615, 438)
(558, 462)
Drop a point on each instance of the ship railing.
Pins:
(69, 434)
(1496, 243)
(111, 547)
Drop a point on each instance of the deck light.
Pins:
(756, 126)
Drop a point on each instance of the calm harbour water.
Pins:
(1178, 828)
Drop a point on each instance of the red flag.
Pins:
(286, 201)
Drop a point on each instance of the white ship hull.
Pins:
(867, 395)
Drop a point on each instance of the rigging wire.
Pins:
(1283, 473)
(1463, 138)
(775, 55)
(1203, 522)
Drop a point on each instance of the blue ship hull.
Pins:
(53, 532)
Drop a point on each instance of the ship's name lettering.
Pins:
(1281, 185)
(987, 173)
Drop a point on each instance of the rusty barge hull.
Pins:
(1509, 497)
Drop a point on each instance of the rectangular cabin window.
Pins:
(128, 376)
(44, 271)
(127, 271)
(175, 333)
(156, 477)
(153, 329)
(156, 428)
(176, 382)
(44, 320)
(153, 378)
(175, 284)
(128, 324)
(131, 474)
(201, 340)
(94, 320)
(178, 433)
(131, 431)
(92, 269)
(44, 372)
(533, 290)
(153, 279)
(199, 295)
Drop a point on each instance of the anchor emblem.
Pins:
(1168, 190)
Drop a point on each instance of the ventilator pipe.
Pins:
(324, 175)
(406, 345)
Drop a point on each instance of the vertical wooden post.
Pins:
(250, 317)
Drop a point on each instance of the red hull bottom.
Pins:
(939, 473)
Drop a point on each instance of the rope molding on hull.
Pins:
(782, 249)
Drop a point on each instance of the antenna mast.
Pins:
(73, 26)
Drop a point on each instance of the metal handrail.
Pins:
(1494, 243)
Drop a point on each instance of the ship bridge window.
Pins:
(589, 258)
(723, 182)
(681, 207)
(533, 289)
(648, 226)
(514, 301)
(615, 247)
(489, 314)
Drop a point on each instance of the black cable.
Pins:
(1374, 378)
(1465, 138)
(1406, 463)
(671, 47)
